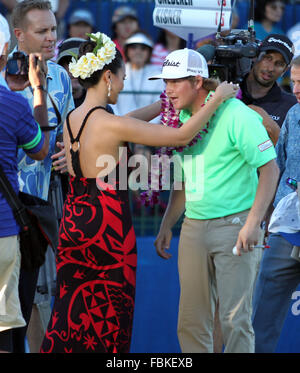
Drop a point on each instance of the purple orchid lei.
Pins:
(168, 117)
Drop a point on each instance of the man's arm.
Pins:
(268, 177)
(37, 78)
(175, 209)
(270, 125)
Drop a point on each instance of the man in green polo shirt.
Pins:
(224, 203)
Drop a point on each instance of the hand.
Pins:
(162, 243)
(61, 163)
(248, 236)
(17, 82)
(226, 90)
(37, 70)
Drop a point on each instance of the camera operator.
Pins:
(18, 128)
(35, 27)
(259, 88)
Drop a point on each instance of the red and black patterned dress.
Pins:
(96, 268)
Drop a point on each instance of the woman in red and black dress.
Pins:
(96, 257)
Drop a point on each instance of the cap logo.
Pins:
(281, 42)
(171, 63)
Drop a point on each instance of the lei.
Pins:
(169, 117)
(103, 54)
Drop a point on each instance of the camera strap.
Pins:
(55, 109)
(57, 113)
(13, 200)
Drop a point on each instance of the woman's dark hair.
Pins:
(114, 66)
(260, 8)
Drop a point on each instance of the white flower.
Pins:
(90, 62)
(97, 35)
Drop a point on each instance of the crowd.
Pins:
(86, 96)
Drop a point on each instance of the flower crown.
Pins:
(102, 55)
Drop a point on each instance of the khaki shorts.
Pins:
(10, 308)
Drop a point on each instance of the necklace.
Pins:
(170, 118)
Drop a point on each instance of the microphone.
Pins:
(207, 51)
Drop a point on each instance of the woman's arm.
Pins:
(140, 132)
(271, 126)
(146, 113)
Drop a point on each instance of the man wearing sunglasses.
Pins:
(35, 28)
(18, 128)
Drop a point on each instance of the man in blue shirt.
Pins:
(35, 27)
(18, 129)
(279, 273)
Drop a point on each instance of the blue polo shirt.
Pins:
(18, 130)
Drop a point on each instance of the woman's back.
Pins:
(96, 256)
(87, 129)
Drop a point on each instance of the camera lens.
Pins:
(18, 64)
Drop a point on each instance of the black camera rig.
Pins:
(234, 53)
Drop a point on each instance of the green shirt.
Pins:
(220, 170)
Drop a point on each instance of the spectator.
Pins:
(259, 87)
(66, 51)
(279, 273)
(267, 14)
(167, 42)
(34, 177)
(138, 50)
(59, 8)
(81, 23)
(18, 128)
(124, 23)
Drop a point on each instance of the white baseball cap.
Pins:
(4, 33)
(139, 38)
(183, 63)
